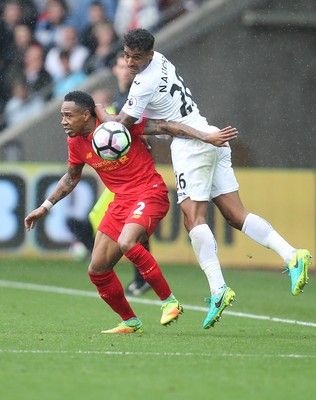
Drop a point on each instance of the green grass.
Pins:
(51, 347)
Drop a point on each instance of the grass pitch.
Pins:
(51, 346)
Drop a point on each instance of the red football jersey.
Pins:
(131, 174)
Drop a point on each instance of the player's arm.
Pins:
(219, 138)
(123, 118)
(64, 186)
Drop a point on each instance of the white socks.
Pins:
(263, 233)
(257, 228)
(205, 249)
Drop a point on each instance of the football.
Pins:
(111, 140)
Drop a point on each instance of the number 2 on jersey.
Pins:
(139, 209)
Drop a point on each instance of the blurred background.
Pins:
(248, 63)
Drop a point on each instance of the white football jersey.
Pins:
(159, 93)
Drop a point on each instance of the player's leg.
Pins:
(146, 263)
(203, 242)
(261, 231)
(252, 225)
(106, 253)
(149, 269)
(138, 285)
(194, 166)
(226, 197)
(205, 248)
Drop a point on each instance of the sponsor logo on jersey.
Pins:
(106, 165)
(123, 159)
(131, 102)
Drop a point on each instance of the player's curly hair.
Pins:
(81, 99)
(139, 39)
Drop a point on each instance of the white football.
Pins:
(111, 140)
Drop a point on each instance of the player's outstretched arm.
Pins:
(65, 186)
(123, 118)
(219, 138)
(103, 115)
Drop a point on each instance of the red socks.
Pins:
(149, 269)
(111, 291)
(110, 288)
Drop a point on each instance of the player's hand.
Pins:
(221, 137)
(101, 113)
(145, 142)
(31, 219)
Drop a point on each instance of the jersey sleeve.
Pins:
(139, 96)
(73, 157)
(138, 128)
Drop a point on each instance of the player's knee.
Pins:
(194, 213)
(235, 221)
(191, 222)
(95, 267)
(125, 244)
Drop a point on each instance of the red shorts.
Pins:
(148, 209)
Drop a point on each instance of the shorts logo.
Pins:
(131, 102)
(136, 216)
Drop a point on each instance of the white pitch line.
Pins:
(85, 293)
(157, 354)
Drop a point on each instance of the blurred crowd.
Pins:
(49, 47)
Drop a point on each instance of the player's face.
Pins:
(74, 119)
(137, 60)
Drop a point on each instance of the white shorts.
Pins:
(202, 171)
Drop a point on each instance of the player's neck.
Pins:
(91, 125)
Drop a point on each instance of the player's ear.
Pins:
(87, 114)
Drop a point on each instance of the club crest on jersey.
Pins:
(131, 102)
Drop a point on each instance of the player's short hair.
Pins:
(81, 99)
(139, 39)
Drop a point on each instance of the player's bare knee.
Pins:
(235, 222)
(125, 244)
(188, 226)
(192, 222)
(95, 268)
